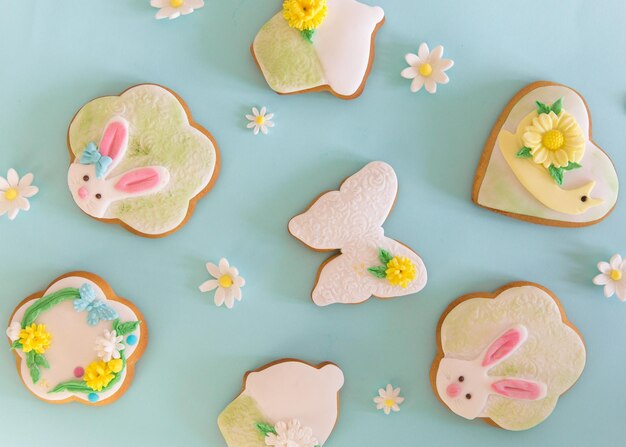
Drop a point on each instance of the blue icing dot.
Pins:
(93, 397)
(131, 340)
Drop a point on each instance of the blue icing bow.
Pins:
(92, 156)
(96, 310)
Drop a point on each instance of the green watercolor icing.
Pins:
(288, 60)
(238, 423)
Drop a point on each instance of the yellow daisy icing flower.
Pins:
(98, 375)
(304, 14)
(555, 140)
(35, 338)
(400, 271)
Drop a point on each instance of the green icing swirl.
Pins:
(47, 302)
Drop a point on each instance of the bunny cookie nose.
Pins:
(453, 390)
(82, 192)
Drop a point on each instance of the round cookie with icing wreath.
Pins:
(285, 403)
(77, 341)
(350, 221)
(139, 160)
(317, 45)
(541, 165)
(506, 356)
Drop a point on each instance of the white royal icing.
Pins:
(350, 220)
(343, 43)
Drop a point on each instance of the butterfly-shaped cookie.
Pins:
(350, 220)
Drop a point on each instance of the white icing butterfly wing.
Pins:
(355, 212)
(345, 278)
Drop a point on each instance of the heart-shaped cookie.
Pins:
(541, 165)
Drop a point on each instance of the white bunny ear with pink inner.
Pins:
(142, 181)
(520, 389)
(114, 141)
(504, 346)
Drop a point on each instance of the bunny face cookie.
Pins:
(350, 220)
(288, 402)
(316, 45)
(138, 159)
(507, 356)
(77, 341)
(541, 165)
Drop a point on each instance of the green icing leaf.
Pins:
(46, 302)
(73, 386)
(125, 328)
(378, 272)
(35, 374)
(265, 429)
(384, 256)
(542, 108)
(16, 345)
(524, 152)
(556, 174)
(30, 359)
(40, 360)
(557, 106)
(308, 34)
(572, 165)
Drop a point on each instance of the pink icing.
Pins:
(138, 180)
(82, 192)
(453, 390)
(79, 372)
(518, 389)
(502, 347)
(113, 139)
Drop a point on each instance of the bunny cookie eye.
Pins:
(461, 378)
(98, 196)
(468, 396)
(85, 178)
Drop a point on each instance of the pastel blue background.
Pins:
(57, 55)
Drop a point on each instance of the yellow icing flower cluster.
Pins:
(400, 271)
(304, 14)
(35, 338)
(99, 374)
(555, 139)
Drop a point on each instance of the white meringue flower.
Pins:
(109, 345)
(388, 399)
(14, 193)
(292, 434)
(227, 282)
(14, 330)
(260, 120)
(427, 69)
(172, 9)
(613, 277)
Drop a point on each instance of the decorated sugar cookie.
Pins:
(506, 356)
(541, 165)
(350, 220)
(285, 403)
(77, 341)
(316, 45)
(139, 160)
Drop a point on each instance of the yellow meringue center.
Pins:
(426, 70)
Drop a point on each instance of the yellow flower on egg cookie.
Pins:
(304, 14)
